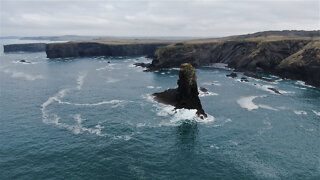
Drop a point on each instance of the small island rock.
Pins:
(186, 95)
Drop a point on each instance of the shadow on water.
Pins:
(187, 135)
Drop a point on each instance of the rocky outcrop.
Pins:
(295, 58)
(31, 47)
(186, 95)
(86, 49)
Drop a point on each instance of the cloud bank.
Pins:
(155, 18)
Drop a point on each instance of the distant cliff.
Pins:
(81, 49)
(31, 47)
(294, 58)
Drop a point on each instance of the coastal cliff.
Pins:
(31, 47)
(83, 49)
(294, 58)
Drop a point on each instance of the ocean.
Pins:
(94, 118)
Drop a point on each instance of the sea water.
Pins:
(94, 118)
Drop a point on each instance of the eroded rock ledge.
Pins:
(186, 95)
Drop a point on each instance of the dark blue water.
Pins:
(85, 118)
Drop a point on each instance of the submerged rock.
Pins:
(233, 75)
(243, 79)
(274, 90)
(257, 77)
(186, 95)
(203, 89)
(24, 61)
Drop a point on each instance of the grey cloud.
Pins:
(155, 18)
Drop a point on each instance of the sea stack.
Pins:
(186, 95)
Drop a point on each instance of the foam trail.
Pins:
(263, 106)
(76, 128)
(315, 112)
(300, 112)
(115, 101)
(80, 80)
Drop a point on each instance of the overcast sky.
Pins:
(155, 18)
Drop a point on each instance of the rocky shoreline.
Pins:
(289, 56)
(297, 59)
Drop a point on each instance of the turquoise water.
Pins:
(85, 118)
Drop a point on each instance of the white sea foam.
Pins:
(115, 101)
(141, 124)
(214, 146)
(221, 66)
(77, 127)
(124, 137)
(22, 75)
(208, 93)
(316, 112)
(286, 92)
(80, 80)
(263, 106)
(247, 103)
(108, 67)
(303, 84)
(177, 115)
(177, 69)
(298, 112)
(150, 87)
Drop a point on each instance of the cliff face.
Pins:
(291, 58)
(32, 47)
(303, 65)
(186, 95)
(80, 49)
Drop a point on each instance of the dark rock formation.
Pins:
(83, 49)
(257, 77)
(24, 61)
(233, 75)
(203, 89)
(31, 47)
(186, 95)
(243, 79)
(144, 65)
(274, 90)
